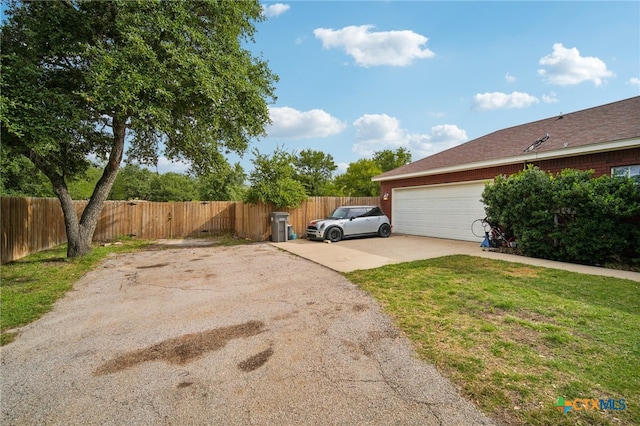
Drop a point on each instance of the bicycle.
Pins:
(494, 236)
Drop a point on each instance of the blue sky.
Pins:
(362, 76)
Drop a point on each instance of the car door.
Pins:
(356, 223)
(374, 220)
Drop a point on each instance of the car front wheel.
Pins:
(334, 235)
(385, 230)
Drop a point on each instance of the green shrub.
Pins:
(570, 216)
(522, 203)
(273, 180)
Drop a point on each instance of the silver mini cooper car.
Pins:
(350, 221)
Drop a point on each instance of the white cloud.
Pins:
(566, 67)
(275, 9)
(395, 48)
(634, 81)
(509, 78)
(499, 100)
(165, 165)
(550, 98)
(342, 168)
(376, 132)
(291, 123)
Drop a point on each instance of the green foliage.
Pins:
(220, 183)
(132, 183)
(20, 178)
(594, 217)
(225, 183)
(570, 216)
(172, 187)
(43, 116)
(389, 160)
(314, 169)
(81, 187)
(273, 180)
(522, 203)
(179, 70)
(356, 181)
(176, 70)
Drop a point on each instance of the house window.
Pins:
(627, 171)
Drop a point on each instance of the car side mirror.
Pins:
(351, 218)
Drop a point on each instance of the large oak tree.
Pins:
(172, 78)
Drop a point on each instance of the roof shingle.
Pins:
(607, 123)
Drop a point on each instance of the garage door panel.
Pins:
(444, 211)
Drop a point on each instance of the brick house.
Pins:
(439, 196)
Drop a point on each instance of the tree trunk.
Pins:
(71, 223)
(79, 240)
(80, 232)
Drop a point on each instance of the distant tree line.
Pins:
(282, 178)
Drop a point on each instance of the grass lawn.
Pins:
(514, 338)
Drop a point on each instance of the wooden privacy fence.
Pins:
(30, 225)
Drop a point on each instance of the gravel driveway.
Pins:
(220, 335)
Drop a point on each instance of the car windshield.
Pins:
(339, 213)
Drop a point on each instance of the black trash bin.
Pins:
(279, 226)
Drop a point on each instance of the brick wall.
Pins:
(601, 163)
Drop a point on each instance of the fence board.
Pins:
(30, 225)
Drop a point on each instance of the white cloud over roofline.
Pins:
(377, 132)
(368, 48)
(293, 124)
(499, 100)
(565, 67)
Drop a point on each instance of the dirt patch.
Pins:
(359, 307)
(523, 271)
(159, 265)
(186, 243)
(256, 361)
(183, 349)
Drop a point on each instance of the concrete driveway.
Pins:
(221, 335)
(367, 253)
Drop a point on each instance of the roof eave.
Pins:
(525, 157)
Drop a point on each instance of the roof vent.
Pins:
(537, 143)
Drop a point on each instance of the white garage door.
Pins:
(443, 211)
